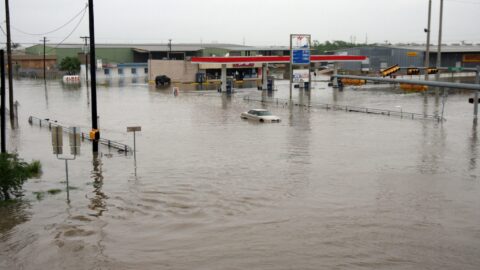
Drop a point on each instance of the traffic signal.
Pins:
(390, 70)
(432, 70)
(472, 100)
(413, 71)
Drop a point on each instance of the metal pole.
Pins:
(439, 50)
(475, 98)
(9, 60)
(134, 150)
(465, 86)
(44, 65)
(93, 74)
(2, 74)
(427, 53)
(291, 68)
(86, 60)
(68, 187)
(169, 48)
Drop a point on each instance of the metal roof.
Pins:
(445, 48)
(183, 47)
(433, 48)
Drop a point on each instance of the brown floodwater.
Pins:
(319, 190)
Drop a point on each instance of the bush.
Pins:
(13, 173)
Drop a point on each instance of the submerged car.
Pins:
(261, 115)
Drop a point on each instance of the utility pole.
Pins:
(86, 59)
(427, 53)
(44, 65)
(2, 75)
(95, 132)
(169, 48)
(9, 60)
(439, 51)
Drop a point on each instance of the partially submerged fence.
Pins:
(347, 108)
(85, 136)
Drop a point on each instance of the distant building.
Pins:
(148, 60)
(381, 57)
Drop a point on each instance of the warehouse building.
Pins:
(381, 57)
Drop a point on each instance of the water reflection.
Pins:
(473, 147)
(98, 201)
(432, 145)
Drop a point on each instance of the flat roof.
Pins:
(164, 47)
(417, 47)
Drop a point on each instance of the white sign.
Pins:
(300, 41)
(300, 75)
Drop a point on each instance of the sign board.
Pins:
(75, 141)
(300, 75)
(57, 140)
(471, 58)
(412, 53)
(455, 68)
(300, 49)
(301, 57)
(133, 129)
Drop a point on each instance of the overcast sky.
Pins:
(253, 22)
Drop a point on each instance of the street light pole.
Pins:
(427, 53)
(439, 51)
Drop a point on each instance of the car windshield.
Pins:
(263, 113)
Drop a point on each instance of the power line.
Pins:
(74, 29)
(54, 30)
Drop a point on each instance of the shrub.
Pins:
(13, 173)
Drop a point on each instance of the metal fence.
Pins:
(347, 108)
(85, 136)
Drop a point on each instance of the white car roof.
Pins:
(258, 110)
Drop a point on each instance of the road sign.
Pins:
(133, 129)
(455, 68)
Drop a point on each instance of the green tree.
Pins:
(70, 64)
(328, 46)
(13, 173)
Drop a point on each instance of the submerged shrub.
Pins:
(13, 173)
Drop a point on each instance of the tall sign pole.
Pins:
(95, 133)
(2, 75)
(9, 60)
(299, 54)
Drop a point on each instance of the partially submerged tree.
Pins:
(71, 65)
(13, 173)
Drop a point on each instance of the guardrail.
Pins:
(85, 136)
(348, 108)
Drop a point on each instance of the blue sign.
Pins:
(301, 57)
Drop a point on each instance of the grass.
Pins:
(54, 191)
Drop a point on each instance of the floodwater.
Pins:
(320, 190)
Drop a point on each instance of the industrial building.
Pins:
(383, 56)
(149, 60)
